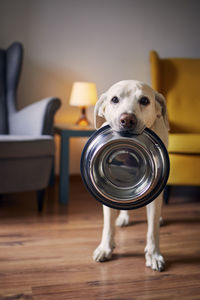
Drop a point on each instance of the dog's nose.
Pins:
(128, 121)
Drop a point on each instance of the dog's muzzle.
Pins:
(128, 121)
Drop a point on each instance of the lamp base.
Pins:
(83, 121)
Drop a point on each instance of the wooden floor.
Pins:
(48, 256)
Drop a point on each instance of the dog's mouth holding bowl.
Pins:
(122, 169)
(127, 123)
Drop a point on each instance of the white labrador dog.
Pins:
(132, 105)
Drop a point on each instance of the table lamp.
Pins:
(83, 94)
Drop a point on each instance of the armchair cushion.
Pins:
(184, 143)
(184, 169)
(12, 146)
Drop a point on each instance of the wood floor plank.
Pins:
(16, 294)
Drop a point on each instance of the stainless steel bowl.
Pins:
(124, 170)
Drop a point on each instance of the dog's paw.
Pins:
(122, 220)
(103, 253)
(155, 261)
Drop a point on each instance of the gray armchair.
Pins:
(26, 141)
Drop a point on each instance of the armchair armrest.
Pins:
(35, 119)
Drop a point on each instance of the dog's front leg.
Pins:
(104, 250)
(152, 251)
(122, 219)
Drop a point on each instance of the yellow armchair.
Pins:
(178, 79)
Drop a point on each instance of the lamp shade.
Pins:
(83, 94)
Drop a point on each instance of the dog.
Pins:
(132, 105)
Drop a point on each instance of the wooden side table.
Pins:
(66, 131)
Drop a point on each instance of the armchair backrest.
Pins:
(178, 79)
(10, 69)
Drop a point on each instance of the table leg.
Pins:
(64, 169)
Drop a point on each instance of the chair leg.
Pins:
(166, 194)
(40, 199)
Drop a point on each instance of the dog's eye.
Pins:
(144, 101)
(115, 99)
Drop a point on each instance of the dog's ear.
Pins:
(99, 111)
(161, 108)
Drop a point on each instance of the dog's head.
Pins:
(130, 105)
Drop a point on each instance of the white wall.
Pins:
(94, 40)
